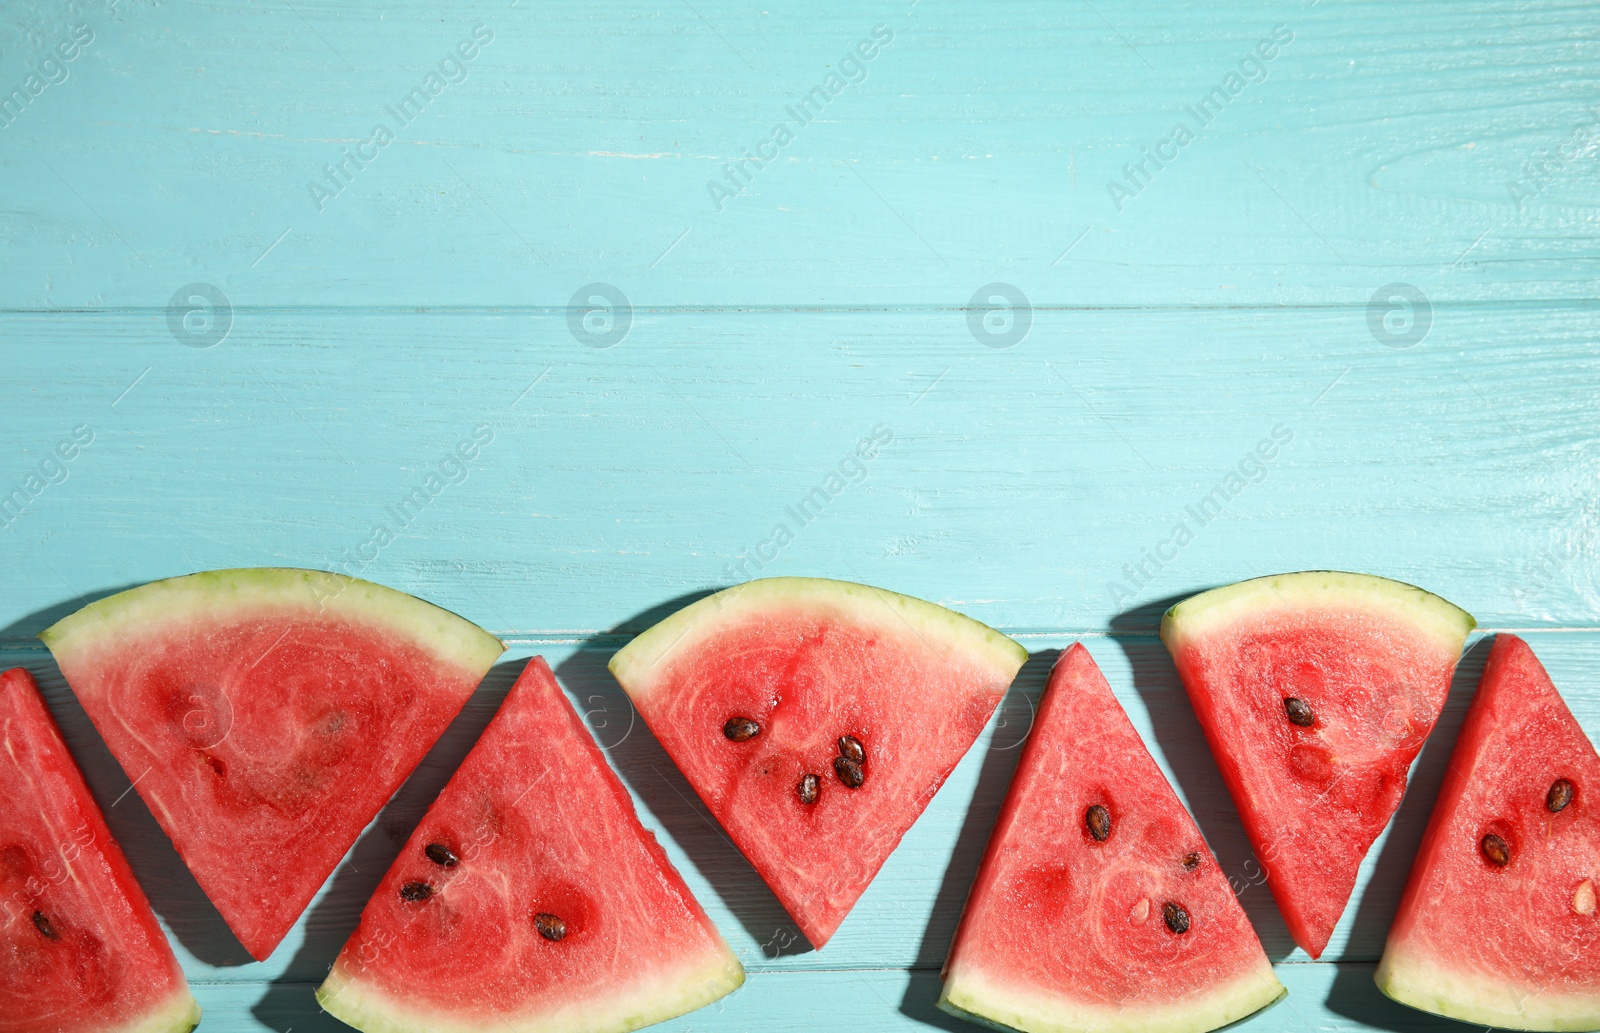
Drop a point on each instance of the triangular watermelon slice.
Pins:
(1315, 690)
(1099, 906)
(265, 716)
(80, 951)
(530, 899)
(1498, 925)
(816, 719)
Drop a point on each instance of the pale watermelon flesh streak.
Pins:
(1070, 924)
(80, 950)
(810, 661)
(1516, 946)
(263, 743)
(1314, 798)
(553, 907)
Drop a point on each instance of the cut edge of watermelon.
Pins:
(211, 593)
(865, 604)
(1203, 614)
(1469, 997)
(363, 1006)
(972, 996)
(180, 1014)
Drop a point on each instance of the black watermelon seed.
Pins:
(1299, 712)
(1559, 796)
(1495, 850)
(550, 927)
(1176, 917)
(850, 749)
(41, 922)
(808, 787)
(441, 855)
(849, 772)
(741, 729)
(1099, 821)
(416, 892)
(1191, 861)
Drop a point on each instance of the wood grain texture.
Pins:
(578, 145)
(1036, 484)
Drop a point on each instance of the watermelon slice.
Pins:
(530, 898)
(80, 951)
(1098, 906)
(1498, 925)
(1315, 690)
(816, 719)
(265, 716)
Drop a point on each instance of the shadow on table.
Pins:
(1012, 722)
(173, 893)
(1182, 742)
(642, 763)
(290, 1001)
(1354, 994)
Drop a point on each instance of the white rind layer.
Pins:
(178, 1014)
(636, 664)
(1477, 998)
(665, 996)
(973, 995)
(119, 619)
(1200, 616)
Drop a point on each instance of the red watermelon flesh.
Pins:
(80, 951)
(1316, 691)
(1514, 945)
(265, 716)
(1071, 925)
(809, 662)
(530, 898)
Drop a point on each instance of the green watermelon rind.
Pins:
(356, 1004)
(179, 1014)
(1480, 999)
(211, 594)
(969, 996)
(1201, 615)
(933, 624)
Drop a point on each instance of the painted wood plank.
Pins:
(1444, 145)
(907, 916)
(1036, 487)
(1330, 998)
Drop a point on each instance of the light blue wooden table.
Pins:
(1075, 259)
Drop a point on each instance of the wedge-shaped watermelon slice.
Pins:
(80, 951)
(1099, 906)
(1315, 690)
(265, 716)
(1498, 925)
(530, 899)
(816, 719)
